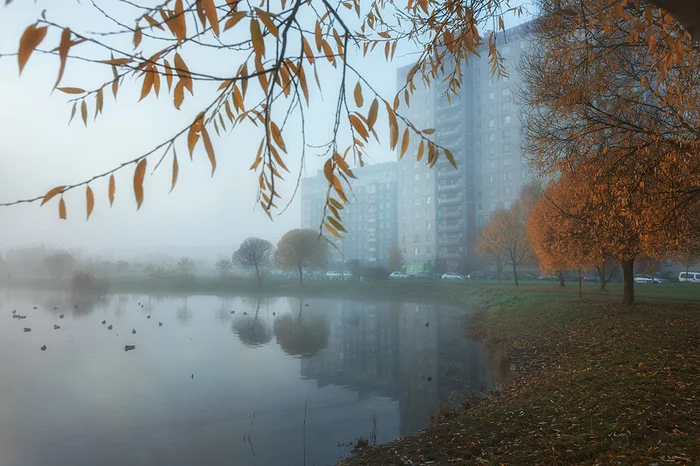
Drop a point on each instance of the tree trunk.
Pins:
(257, 272)
(580, 293)
(499, 269)
(562, 283)
(301, 278)
(515, 273)
(628, 282)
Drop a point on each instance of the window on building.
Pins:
(505, 49)
(491, 178)
(505, 106)
(427, 175)
(506, 190)
(506, 134)
(492, 150)
(416, 190)
(492, 207)
(479, 221)
(492, 123)
(427, 199)
(478, 112)
(492, 164)
(403, 251)
(416, 226)
(478, 166)
(505, 92)
(403, 227)
(427, 249)
(492, 109)
(478, 153)
(416, 214)
(506, 119)
(507, 162)
(381, 215)
(416, 201)
(491, 95)
(416, 250)
(478, 194)
(523, 174)
(403, 239)
(415, 164)
(493, 192)
(477, 84)
(416, 176)
(492, 137)
(478, 138)
(416, 238)
(428, 238)
(507, 204)
(404, 179)
(427, 225)
(478, 98)
(506, 176)
(479, 208)
(505, 148)
(478, 125)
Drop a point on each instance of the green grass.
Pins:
(591, 381)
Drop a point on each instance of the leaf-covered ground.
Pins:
(592, 382)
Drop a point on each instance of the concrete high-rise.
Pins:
(370, 219)
(441, 210)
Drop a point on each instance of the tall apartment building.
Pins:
(370, 219)
(441, 210)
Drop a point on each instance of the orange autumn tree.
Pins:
(277, 51)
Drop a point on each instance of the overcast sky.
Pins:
(38, 150)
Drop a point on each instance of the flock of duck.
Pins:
(61, 316)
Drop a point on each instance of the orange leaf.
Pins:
(71, 90)
(267, 21)
(179, 94)
(210, 149)
(139, 174)
(90, 198)
(63, 48)
(62, 209)
(168, 73)
(234, 19)
(358, 95)
(147, 84)
(404, 142)
(210, 9)
(52, 193)
(137, 36)
(257, 38)
(31, 38)
(176, 170)
(450, 157)
(184, 73)
(372, 116)
(328, 170)
(84, 112)
(111, 191)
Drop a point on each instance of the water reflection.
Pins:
(209, 376)
(302, 333)
(252, 330)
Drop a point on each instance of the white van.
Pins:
(692, 277)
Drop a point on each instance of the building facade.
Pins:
(441, 210)
(370, 219)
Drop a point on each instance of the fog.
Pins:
(38, 151)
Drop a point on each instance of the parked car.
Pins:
(398, 276)
(451, 276)
(475, 276)
(646, 278)
(347, 275)
(424, 276)
(689, 277)
(330, 275)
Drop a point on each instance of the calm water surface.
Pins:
(220, 388)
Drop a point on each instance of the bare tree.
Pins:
(122, 267)
(58, 264)
(224, 267)
(254, 254)
(185, 266)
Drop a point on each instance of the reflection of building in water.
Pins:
(388, 349)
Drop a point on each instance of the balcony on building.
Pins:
(450, 240)
(449, 213)
(450, 226)
(449, 185)
(444, 199)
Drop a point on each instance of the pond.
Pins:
(222, 380)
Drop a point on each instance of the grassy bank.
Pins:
(593, 383)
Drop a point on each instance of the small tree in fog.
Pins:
(300, 249)
(224, 268)
(58, 264)
(396, 261)
(122, 267)
(254, 254)
(185, 266)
